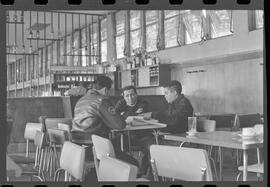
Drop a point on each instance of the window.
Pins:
(49, 59)
(76, 46)
(54, 54)
(103, 43)
(193, 26)
(259, 18)
(84, 47)
(151, 30)
(255, 19)
(40, 62)
(171, 19)
(62, 52)
(120, 34)
(68, 51)
(221, 22)
(94, 43)
(135, 30)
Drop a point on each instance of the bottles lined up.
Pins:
(153, 71)
(71, 78)
(142, 61)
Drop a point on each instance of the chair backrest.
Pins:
(103, 146)
(53, 122)
(223, 120)
(72, 159)
(248, 120)
(112, 169)
(39, 140)
(65, 127)
(58, 136)
(204, 125)
(188, 164)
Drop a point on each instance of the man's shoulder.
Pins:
(183, 100)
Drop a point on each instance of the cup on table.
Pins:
(192, 123)
(258, 129)
(249, 131)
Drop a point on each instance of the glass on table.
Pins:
(192, 124)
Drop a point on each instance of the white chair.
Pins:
(72, 161)
(254, 168)
(36, 170)
(188, 164)
(101, 147)
(30, 133)
(112, 169)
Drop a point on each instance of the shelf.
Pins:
(51, 39)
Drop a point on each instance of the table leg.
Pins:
(245, 162)
(122, 142)
(155, 133)
(128, 132)
(220, 163)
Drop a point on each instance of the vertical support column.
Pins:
(111, 42)
(161, 31)
(23, 74)
(15, 77)
(127, 33)
(99, 40)
(143, 30)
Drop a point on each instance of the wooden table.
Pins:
(13, 169)
(155, 126)
(222, 139)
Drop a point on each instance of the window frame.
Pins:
(121, 34)
(134, 30)
(149, 25)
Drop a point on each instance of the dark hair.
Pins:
(174, 84)
(129, 88)
(101, 82)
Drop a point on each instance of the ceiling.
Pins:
(44, 25)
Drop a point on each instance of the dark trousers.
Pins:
(120, 154)
(143, 140)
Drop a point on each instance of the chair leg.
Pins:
(214, 166)
(238, 176)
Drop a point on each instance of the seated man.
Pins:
(95, 114)
(179, 109)
(132, 105)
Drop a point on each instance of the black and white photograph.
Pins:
(135, 95)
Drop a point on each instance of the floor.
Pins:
(229, 171)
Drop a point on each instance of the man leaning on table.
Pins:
(133, 105)
(179, 109)
(95, 114)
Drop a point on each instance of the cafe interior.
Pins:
(216, 55)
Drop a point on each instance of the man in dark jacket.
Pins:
(132, 105)
(95, 114)
(179, 109)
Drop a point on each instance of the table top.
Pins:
(153, 125)
(13, 169)
(227, 139)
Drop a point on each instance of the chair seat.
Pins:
(19, 159)
(256, 168)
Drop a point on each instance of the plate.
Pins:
(191, 133)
